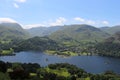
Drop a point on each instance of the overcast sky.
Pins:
(32, 13)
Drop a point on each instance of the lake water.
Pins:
(93, 64)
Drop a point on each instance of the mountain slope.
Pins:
(10, 31)
(42, 31)
(36, 44)
(114, 38)
(111, 30)
(79, 33)
(110, 47)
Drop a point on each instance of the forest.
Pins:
(58, 71)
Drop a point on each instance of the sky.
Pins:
(34, 13)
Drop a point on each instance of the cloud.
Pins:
(33, 25)
(16, 2)
(91, 22)
(85, 21)
(6, 20)
(15, 5)
(20, 1)
(105, 22)
(79, 19)
(59, 21)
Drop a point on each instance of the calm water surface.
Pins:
(93, 64)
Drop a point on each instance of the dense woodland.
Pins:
(58, 71)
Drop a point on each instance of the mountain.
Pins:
(36, 44)
(104, 28)
(110, 47)
(111, 30)
(42, 31)
(10, 31)
(114, 38)
(79, 33)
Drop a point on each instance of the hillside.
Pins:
(110, 47)
(111, 30)
(10, 31)
(79, 33)
(42, 31)
(114, 38)
(36, 44)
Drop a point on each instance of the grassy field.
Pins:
(7, 52)
(58, 72)
(63, 53)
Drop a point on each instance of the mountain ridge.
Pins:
(111, 30)
(42, 31)
(12, 31)
(79, 33)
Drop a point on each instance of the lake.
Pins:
(92, 64)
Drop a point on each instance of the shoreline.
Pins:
(7, 54)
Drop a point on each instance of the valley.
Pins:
(68, 40)
(84, 46)
(59, 40)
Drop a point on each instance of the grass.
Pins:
(68, 43)
(85, 54)
(33, 74)
(7, 52)
(5, 42)
(60, 72)
(70, 53)
(83, 78)
(63, 72)
(9, 70)
(63, 53)
(50, 52)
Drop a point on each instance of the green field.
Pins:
(62, 53)
(7, 52)
(60, 72)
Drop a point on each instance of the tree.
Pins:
(3, 67)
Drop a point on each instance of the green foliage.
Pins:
(108, 49)
(3, 67)
(7, 52)
(61, 53)
(4, 76)
(58, 71)
(33, 74)
(36, 44)
(16, 66)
